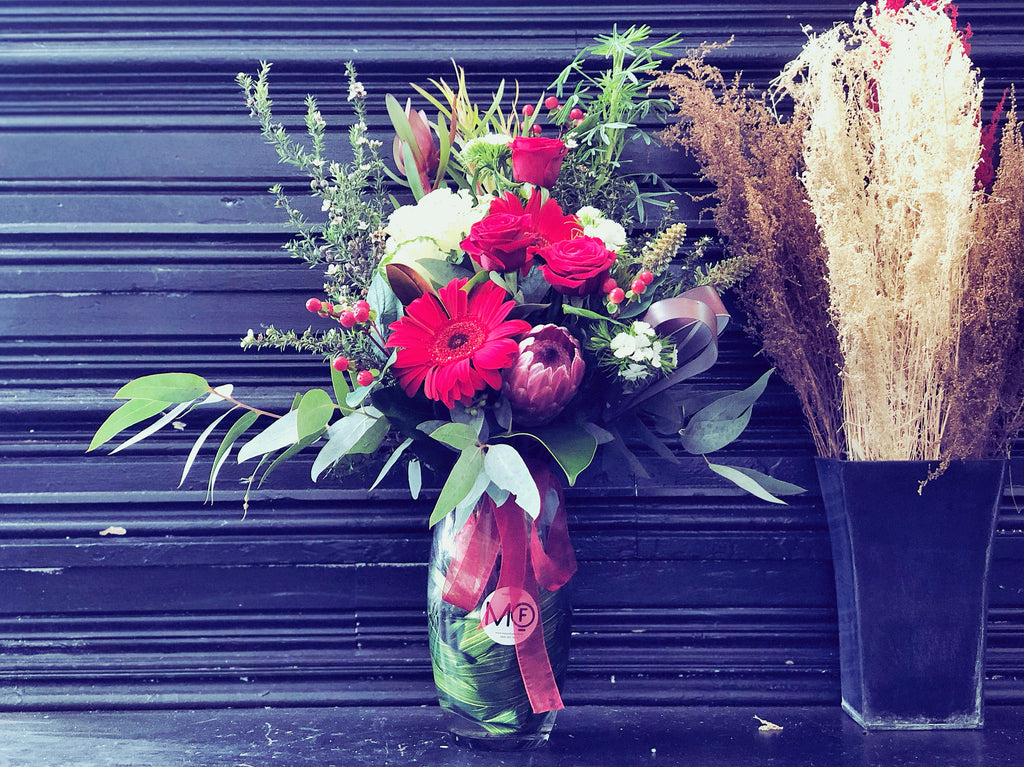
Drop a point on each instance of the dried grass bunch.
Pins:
(884, 281)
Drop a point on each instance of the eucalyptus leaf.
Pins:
(154, 427)
(757, 483)
(704, 436)
(370, 441)
(302, 444)
(465, 507)
(415, 473)
(280, 434)
(392, 460)
(508, 470)
(733, 404)
(458, 435)
(342, 436)
(460, 482)
(130, 413)
(165, 387)
(382, 300)
(313, 413)
(194, 452)
(219, 394)
(340, 385)
(238, 428)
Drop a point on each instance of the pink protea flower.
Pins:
(545, 376)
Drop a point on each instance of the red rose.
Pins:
(576, 267)
(537, 160)
(499, 241)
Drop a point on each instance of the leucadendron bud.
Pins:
(545, 376)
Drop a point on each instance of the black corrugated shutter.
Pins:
(136, 236)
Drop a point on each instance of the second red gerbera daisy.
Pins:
(456, 343)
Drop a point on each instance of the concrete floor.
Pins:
(584, 735)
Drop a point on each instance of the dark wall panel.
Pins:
(136, 236)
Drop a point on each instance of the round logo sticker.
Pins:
(509, 615)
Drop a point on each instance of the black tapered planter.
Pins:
(911, 572)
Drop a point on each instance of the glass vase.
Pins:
(478, 678)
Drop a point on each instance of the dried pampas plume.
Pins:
(892, 107)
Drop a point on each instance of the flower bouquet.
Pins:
(487, 332)
(881, 234)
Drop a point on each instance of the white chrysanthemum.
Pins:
(595, 224)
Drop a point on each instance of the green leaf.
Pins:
(461, 436)
(382, 300)
(508, 470)
(573, 446)
(371, 440)
(340, 385)
(756, 483)
(199, 443)
(415, 473)
(704, 436)
(460, 481)
(733, 404)
(465, 507)
(280, 434)
(653, 441)
(154, 427)
(302, 444)
(314, 413)
(238, 428)
(130, 413)
(165, 387)
(342, 436)
(716, 425)
(395, 455)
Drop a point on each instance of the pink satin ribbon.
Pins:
(526, 564)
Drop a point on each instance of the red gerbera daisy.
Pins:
(455, 343)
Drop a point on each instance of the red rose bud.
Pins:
(551, 103)
(537, 161)
(576, 267)
(425, 152)
(313, 305)
(364, 378)
(340, 364)
(545, 375)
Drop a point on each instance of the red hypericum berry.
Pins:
(362, 302)
(347, 319)
(364, 378)
(326, 309)
(576, 114)
(609, 285)
(535, 129)
(646, 276)
(616, 295)
(361, 313)
(638, 286)
(313, 305)
(551, 103)
(528, 110)
(340, 364)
